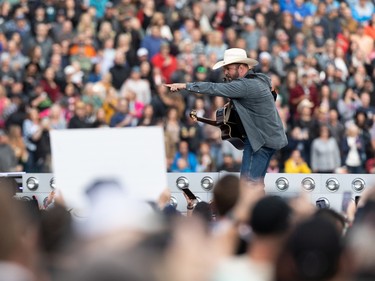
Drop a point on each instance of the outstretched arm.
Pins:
(175, 87)
(234, 89)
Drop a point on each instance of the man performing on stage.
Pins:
(255, 104)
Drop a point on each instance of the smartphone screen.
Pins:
(346, 198)
(189, 194)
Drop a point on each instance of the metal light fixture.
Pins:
(282, 184)
(325, 202)
(308, 184)
(45, 200)
(207, 183)
(32, 183)
(173, 202)
(182, 183)
(332, 184)
(358, 184)
(52, 183)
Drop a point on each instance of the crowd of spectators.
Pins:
(90, 64)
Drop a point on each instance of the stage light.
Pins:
(282, 184)
(45, 200)
(32, 183)
(207, 183)
(173, 202)
(358, 184)
(52, 183)
(182, 183)
(308, 184)
(322, 203)
(332, 184)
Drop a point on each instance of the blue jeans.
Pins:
(255, 164)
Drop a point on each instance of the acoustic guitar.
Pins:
(229, 122)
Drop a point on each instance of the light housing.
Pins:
(182, 183)
(282, 184)
(207, 183)
(173, 202)
(32, 183)
(325, 200)
(45, 202)
(308, 184)
(52, 183)
(358, 184)
(332, 184)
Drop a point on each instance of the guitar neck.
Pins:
(207, 121)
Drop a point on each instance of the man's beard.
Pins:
(230, 78)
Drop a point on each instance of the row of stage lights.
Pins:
(182, 183)
(281, 184)
(207, 184)
(332, 184)
(202, 185)
(32, 183)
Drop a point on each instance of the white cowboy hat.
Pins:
(235, 55)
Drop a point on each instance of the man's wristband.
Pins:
(191, 207)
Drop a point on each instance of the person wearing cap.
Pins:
(252, 98)
(142, 52)
(142, 55)
(201, 73)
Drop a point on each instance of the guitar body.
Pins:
(230, 134)
(229, 123)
